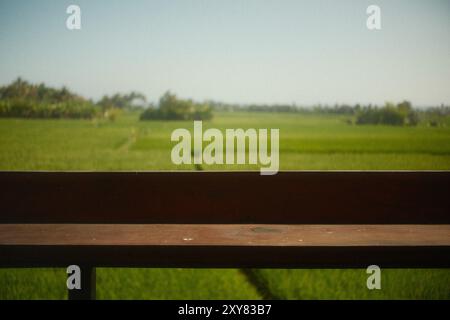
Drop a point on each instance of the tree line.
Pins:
(172, 108)
(23, 99)
(399, 114)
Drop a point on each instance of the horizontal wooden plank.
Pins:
(225, 197)
(224, 235)
(309, 246)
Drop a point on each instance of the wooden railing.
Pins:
(223, 219)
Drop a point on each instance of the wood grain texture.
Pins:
(223, 235)
(225, 197)
(225, 246)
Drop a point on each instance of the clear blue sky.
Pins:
(307, 52)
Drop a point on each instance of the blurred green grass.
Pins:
(350, 284)
(129, 283)
(307, 142)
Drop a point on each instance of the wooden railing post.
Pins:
(88, 285)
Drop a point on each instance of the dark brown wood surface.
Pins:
(324, 246)
(226, 197)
